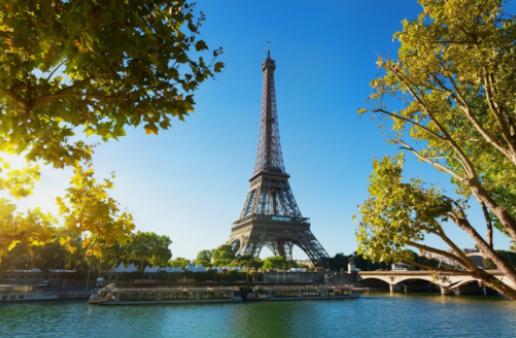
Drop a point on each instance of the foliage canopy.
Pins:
(90, 67)
(454, 74)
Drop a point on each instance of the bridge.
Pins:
(448, 282)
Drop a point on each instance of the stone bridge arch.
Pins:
(395, 280)
(383, 280)
(447, 281)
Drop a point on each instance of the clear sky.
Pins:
(190, 182)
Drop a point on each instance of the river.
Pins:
(370, 316)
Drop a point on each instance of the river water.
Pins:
(369, 316)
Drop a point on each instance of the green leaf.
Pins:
(200, 46)
(218, 67)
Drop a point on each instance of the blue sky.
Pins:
(190, 182)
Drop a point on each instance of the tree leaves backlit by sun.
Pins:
(81, 68)
(89, 210)
(75, 68)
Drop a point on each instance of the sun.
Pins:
(9, 161)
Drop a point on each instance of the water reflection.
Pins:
(398, 315)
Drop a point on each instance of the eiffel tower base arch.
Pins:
(250, 236)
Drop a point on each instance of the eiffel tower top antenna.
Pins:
(269, 157)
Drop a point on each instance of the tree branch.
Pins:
(433, 268)
(496, 110)
(437, 165)
(466, 163)
(463, 258)
(463, 105)
(22, 104)
(383, 111)
(436, 251)
(499, 261)
(489, 225)
(56, 68)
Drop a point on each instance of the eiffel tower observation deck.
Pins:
(270, 216)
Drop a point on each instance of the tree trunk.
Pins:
(496, 284)
(484, 247)
(489, 225)
(483, 275)
(500, 212)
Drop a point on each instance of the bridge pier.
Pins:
(444, 290)
(391, 288)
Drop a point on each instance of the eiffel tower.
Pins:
(270, 216)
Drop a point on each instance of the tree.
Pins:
(455, 77)
(180, 262)
(203, 258)
(89, 211)
(28, 230)
(247, 262)
(398, 214)
(222, 256)
(275, 263)
(19, 182)
(74, 68)
(337, 262)
(148, 249)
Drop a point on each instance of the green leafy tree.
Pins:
(148, 249)
(180, 262)
(337, 262)
(222, 256)
(19, 182)
(89, 211)
(86, 67)
(29, 230)
(455, 75)
(367, 264)
(401, 214)
(247, 262)
(203, 258)
(275, 263)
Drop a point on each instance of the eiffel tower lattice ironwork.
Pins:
(270, 216)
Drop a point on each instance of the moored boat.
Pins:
(134, 295)
(24, 293)
(304, 292)
(128, 295)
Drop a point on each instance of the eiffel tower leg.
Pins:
(314, 251)
(281, 248)
(251, 248)
(288, 250)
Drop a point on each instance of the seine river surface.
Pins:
(369, 316)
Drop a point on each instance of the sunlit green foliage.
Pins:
(222, 256)
(31, 229)
(247, 262)
(454, 74)
(18, 181)
(397, 213)
(148, 249)
(455, 68)
(203, 258)
(275, 263)
(88, 210)
(179, 262)
(90, 67)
